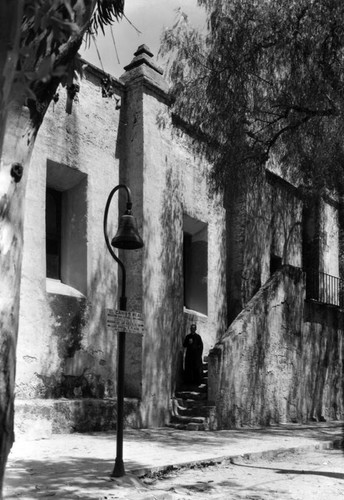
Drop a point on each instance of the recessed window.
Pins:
(195, 265)
(311, 246)
(53, 233)
(66, 226)
(275, 263)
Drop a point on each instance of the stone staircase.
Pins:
(191, 409)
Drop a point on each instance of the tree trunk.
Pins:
(10, 22)
(16, 152)
(10, 229)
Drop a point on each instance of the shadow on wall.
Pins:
(248, 240)
(257, 239)
(273, 367)
(221, 317)
(323, 355)
(262, 225)
(163, 294)
(84, 346)
(276, 348)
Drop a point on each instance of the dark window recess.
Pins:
(311, 244)
(275, 263)
(53, 233)
(186, 265)
(195, 260)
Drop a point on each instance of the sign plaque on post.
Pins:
(124, 321)
(132, 324)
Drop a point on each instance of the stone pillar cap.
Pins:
(143, 55)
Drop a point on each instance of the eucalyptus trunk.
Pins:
(11, 208)
(16, 153)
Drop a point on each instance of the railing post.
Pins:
(324, 288)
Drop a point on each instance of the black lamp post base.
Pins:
(118, 470)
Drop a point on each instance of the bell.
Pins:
(127, 236)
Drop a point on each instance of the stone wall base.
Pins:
(40, 418)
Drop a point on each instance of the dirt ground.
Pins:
(315, 475)
(312, 475)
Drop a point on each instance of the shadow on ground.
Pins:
(71, 478)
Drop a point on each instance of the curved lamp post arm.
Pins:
(117, 259)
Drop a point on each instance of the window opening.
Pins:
(311, 247)
(53, 233)
(66, 226)
(195, 265)
(275, 263)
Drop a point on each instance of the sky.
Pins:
(149, 17)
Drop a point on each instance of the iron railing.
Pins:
(324, 288)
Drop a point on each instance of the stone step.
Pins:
(189, 423)
(202, 387)
(174, 425)
(195, 411)
(196, 427)
(187, 427)
(194, 403)
(181, 419)
(191, 395)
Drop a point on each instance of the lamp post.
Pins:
(127, 238)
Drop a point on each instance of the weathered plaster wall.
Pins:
(64, 346)
(281, 357)
(329, 238)
(168, 182)
(40, 418)
(280, 360)
(174, 184)
(265, 221)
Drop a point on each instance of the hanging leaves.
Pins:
(265, 79)
(52, 32)
(106, 12)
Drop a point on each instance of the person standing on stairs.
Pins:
(193, 357)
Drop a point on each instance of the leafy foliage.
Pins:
(107, 11)
(51, 34)
(266, 80)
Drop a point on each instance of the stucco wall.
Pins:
(65, 348)
(280, 360)
(272, 364)
(329, 238)
(62, 332)
(265, 221)
(168, 182)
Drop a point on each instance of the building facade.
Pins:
(115, 132)
(259, 274)
(281, 358)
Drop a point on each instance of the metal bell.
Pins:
(127, 236)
